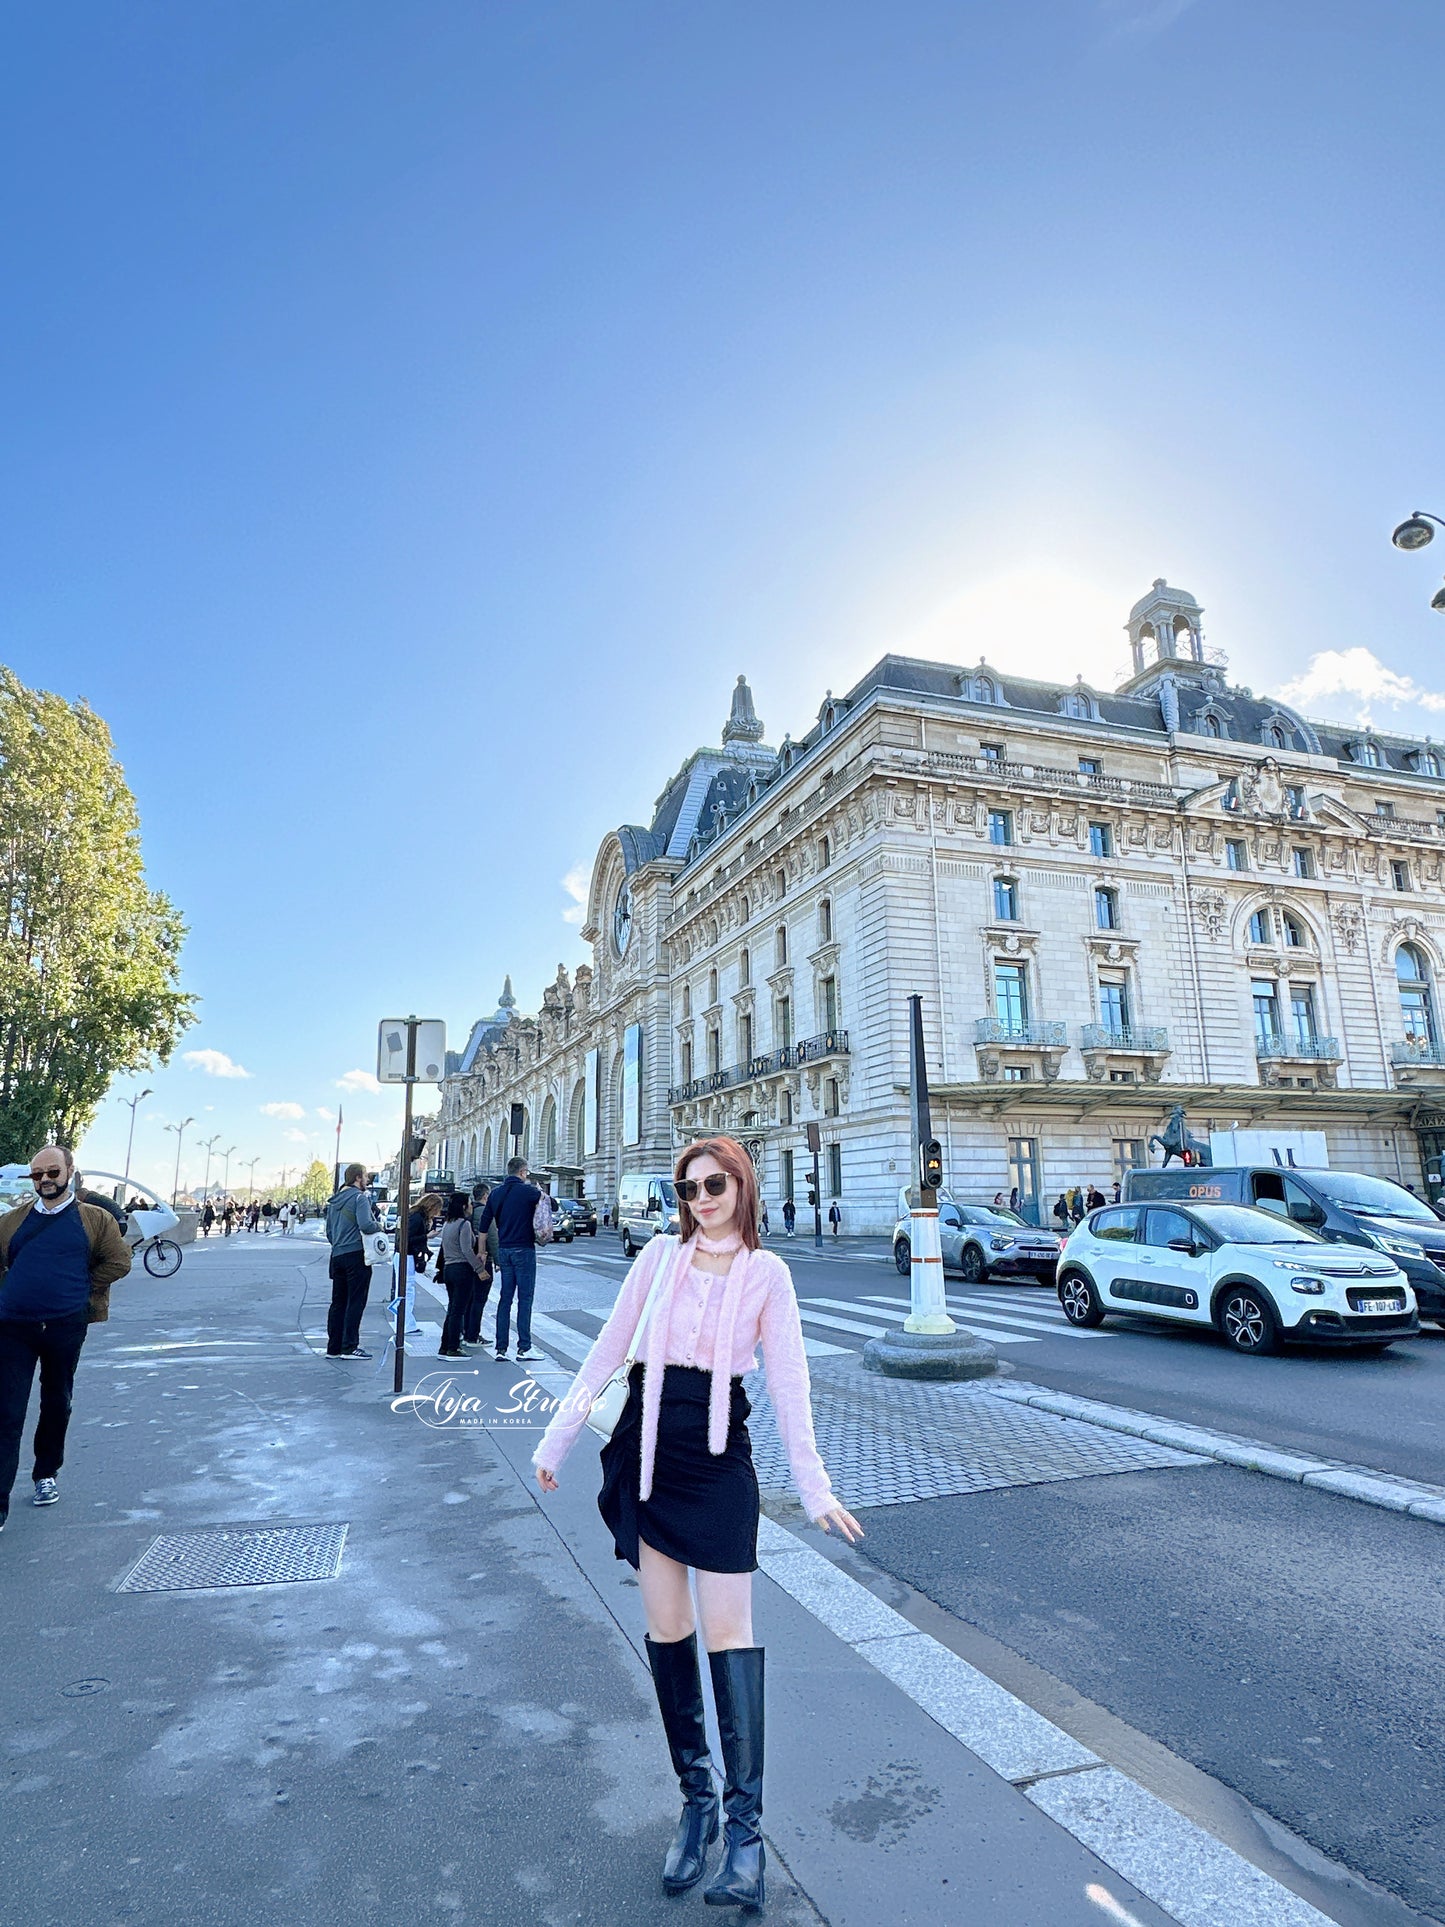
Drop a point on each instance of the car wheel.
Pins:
(1246, 1320)
(1080, 1301)
(627, 1244)
(903, 1256)
(972, 1265)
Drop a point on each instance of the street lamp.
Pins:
(250, 1165)
(1418, 532)
(180, 1131)
(210, 1144)
(226, 1173)
(130, 1135)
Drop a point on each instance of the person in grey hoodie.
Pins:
(349, 1217)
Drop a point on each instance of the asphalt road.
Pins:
(1387, 1412)
(1289, 1643)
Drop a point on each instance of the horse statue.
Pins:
(1175, 1142)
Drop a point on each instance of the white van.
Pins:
(646, 1204)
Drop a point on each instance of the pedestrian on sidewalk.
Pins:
(208, 1218)
(462, 1262)
(482, 1283)
(764, 1225)
(835, 1217)
(228, 1218)
(790, 1217)
(679, 1490)
(419, 1221)
(512, 1208)
(59, 1258)
(268, 1214)
(349, 1220)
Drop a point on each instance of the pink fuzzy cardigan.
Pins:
(699, 1320)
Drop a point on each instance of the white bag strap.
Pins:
(664, 1266)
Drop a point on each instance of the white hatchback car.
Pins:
(1253, 1277)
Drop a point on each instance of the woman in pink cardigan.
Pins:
(679, 1490)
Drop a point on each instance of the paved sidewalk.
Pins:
(459, 1723)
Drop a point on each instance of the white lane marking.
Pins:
(885, 1323)
(1195, 1878)
(967, 1309)
(562, 1338)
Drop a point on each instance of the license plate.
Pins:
(1382, 1304)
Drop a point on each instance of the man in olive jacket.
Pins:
(59, 1258)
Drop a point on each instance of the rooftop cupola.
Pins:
(1165, 626)
(742, 726)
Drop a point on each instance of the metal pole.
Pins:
(817, 1204)
(210, 1144)
(130, 1135)
(928, 1311)
(403, 1209)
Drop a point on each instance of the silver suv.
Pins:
(983, 1241)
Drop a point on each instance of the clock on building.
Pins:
(622, 919)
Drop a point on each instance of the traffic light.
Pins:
(930, 1164)
(812, 1197)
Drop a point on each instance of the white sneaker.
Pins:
(46, 1492)
(525, 1357)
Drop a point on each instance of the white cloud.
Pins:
(214, 1063)
(297, 1137)
(357, 1081)
(1360, 673)
(323, 1113)
(282, 1110)
(577, 883)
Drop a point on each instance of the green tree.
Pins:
(314, 1187)
(89, 956)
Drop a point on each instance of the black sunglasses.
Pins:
(714, 1184)
(48, 1171)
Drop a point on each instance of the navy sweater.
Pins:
(49, 1271)
(510, 1208)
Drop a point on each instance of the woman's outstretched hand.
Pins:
(840, 1520)
(546, 1479)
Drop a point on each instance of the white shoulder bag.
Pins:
(610, 1401)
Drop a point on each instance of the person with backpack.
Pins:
(349, 1220)
(513, 1209)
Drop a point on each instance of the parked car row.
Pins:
(1262, 1255)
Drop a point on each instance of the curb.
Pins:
(1382, 1489)
(1195, 1878)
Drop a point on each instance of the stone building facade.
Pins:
(1112, 902)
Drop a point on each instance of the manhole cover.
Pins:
(237, 1556)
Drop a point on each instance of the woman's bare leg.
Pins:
(725, 1607)
(666, 1598)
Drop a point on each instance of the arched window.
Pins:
(486, 1149)
(1294, 931)
(1417, 997)
(1209, 724)
(1259, 930)
(1273, 736)
(980, 689)
(1078, 705)
(549, 1132)
(1427, 762)
(1367, 753)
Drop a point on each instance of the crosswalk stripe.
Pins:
(971, 1309)
(557, 1337)
(886, 1323)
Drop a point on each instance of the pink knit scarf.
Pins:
(654, 1356)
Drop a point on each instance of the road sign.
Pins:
(431, 1050)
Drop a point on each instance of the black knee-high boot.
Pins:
(737, 1685)
(679, 1696)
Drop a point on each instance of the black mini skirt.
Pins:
(703, 1511)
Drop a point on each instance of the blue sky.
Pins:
(417, 415)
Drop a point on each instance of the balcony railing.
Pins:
(1144, 1040)
(828, 1043)
(1038, 1036)
(1416, 1050)
(1040, 776)
(1314, 1050)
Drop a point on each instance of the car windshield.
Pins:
(1241, 1224)
(987, 1214)
(1355, 1192)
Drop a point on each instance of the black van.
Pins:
(1345, 1206)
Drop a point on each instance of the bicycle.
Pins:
(160, 1256)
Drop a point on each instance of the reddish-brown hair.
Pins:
(733, 1159)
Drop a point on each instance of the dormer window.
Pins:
(979, 689)
(1078, 705)
(1367, 752)
(1427, 762)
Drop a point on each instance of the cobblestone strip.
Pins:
(1360, 1482)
